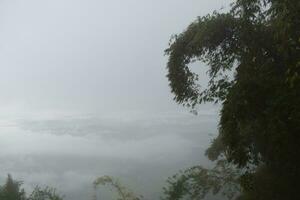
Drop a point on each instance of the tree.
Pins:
(123, 192)
(11, 190)
(259, 42)
(197, 182)
(46, 193)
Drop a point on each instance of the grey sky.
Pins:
(83, 89)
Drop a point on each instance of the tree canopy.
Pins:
(197, 182)
(259, 42)
(12, 190)
(123, 192)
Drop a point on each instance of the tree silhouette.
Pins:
(123, 192)
(259, 42)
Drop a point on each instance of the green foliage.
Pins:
(258, 41)
(123, 192)
(12, 190)
(46, 193)
(197, 182)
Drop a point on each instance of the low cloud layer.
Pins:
(70, 153)
(84, 93)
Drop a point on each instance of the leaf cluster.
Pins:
(259, 42)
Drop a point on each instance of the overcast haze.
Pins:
(84, 93)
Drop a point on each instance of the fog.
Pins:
(84, 94)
